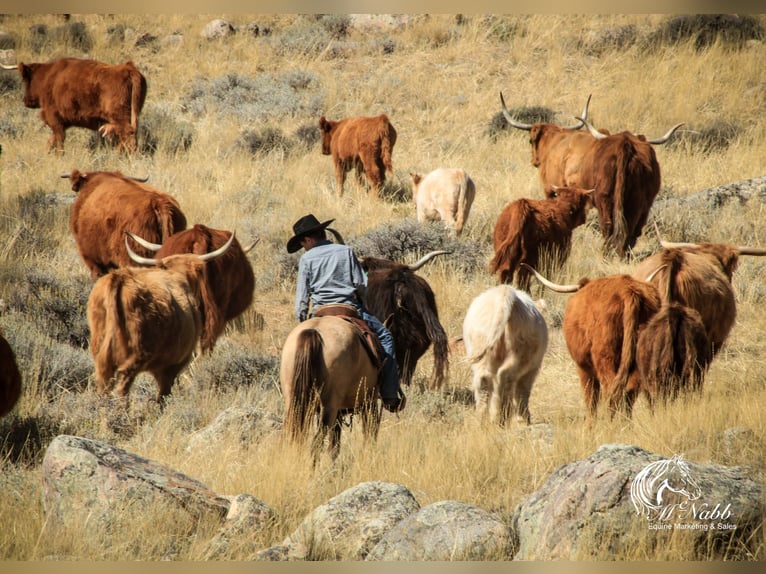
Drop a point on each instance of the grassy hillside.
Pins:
(230, 130)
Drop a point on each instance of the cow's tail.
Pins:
(674, 259)
(510, 252)
(137, 96)
(307, 367)
(438, 337)
(109, 319)
(631, 312)
(619, 237)
(464, 201)
(388, 138)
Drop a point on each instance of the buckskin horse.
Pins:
(326, 370)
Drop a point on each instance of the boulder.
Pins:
(447, 531)
(600, 507)
(349, 525)
(87, 480)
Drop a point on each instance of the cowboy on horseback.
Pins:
(330, 274)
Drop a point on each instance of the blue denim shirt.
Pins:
(328, 273)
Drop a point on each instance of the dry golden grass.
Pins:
(440, 88)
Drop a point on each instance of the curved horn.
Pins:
(143, 242)
(510, 119)
(135, 256)
(666, 137)
(220, 251)
(65, 175)
(549, 284)
(425, 259)
(338, 236)
(9, 66)
(593, 131)
(653, 273)
(580, 119)
(253, 244)
(139, 179)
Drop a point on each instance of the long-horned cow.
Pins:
(230, 276)
(703, 281)
(363, 143)
(10, 377)
(444, 194)
(505, 339)
(109, 203)
(406, 304)
(537, 232)
(622, 168)
(601, 327)
(73, 92)
(151, 320)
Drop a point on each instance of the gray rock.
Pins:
(247, 516)
(446, 530)
(585, 510)
(350, 524)
(245, 422)
(86, 480)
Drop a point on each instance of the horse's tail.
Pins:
(307, 367)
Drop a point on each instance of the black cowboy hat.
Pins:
(306, 225)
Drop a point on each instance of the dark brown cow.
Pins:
(406, 304)
(109, 203)
(151, 320)
(622, 168)
(537, 232)
(364, 143)
(10, 378)
(601, 327)
(673, 351)
(230, 276)
(73, 92)
(703, 282)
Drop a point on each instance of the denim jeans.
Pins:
(389, 386)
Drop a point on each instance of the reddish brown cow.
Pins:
(703, 282)
(406, 304)
(601, 326)
(72, 92)
(151, 320)
(230, 276)
(537, 232)
(10, 378)
(364, 143)
(109, 203)
(622, 168)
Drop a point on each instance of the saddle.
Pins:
(367, 336)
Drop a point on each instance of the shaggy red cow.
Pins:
(622, 168)
(151, 319)
(406, 304)
(364, 143)
(444, 194)
(230, 276)
(87, 94)
(537, 232)
(109, 203)
(505, 339)
(601, 327)
(673, 351)
(10, 378)
(703, 282)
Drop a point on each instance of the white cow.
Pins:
(444, 194)
(505, 338)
